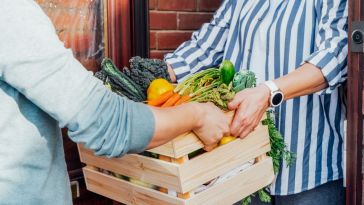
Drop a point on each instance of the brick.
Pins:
(192, 21)
(159, 54)
(208, 5)
(171, 40)
(152, 4)
(177, 5)
(153, 40)
(163, 20)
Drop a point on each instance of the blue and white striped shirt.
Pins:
(273, 38)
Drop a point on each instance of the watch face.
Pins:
(277, 98)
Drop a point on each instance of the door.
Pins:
(354, 146)
(95, 29)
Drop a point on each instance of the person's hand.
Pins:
(213, 125)
(250, 105)
(172, 75)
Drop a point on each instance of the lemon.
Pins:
(157, 88)
(226, 140)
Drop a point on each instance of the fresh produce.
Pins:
(227, 71)
(219, 86)
(196, 153)
(157, 88)
(120, 79)
(172, 101)
(226, 140)
(140, 75)
(244, 79)
(120, 176)
(216, 85)
(278, 147)
(183, 99)
(141, 183)
(206, 86)
(161, 99)
(143, 71)
(119, 82)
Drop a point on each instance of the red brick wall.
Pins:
(173, 21)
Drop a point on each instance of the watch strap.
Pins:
(272, 86)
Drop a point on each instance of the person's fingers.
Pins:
(226, 126)
(239, 120)
(238, 99)
(208, 148)
(237, 134)
(171, 73)
(246, 132)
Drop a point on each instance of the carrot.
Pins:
(171, 101)
(183, 99)
(161, 99)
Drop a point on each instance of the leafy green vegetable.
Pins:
(121, 82)
(244, 79)
(144, 70)
(135, 81)
(247, 200)
(278, 147)
(264, 196)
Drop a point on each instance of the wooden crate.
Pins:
(174, 171)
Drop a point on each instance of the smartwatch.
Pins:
(276, 95)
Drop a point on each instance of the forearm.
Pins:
(305, 80)
(172, 75)
(171, 122)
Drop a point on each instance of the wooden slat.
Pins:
(166, 149)
(210, 165)
(227, 192)
(153, 171)
(125, 192)
(183, 145)
(237, 187)
(186, 144)
(185, 177)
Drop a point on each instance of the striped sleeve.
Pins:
(332, 43)
(206, 47)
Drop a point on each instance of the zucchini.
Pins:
(124, 81)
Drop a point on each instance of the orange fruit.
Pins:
(157, 88)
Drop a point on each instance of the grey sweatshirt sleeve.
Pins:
(34, 61)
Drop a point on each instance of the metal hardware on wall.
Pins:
(75, 189)
(357, 37)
